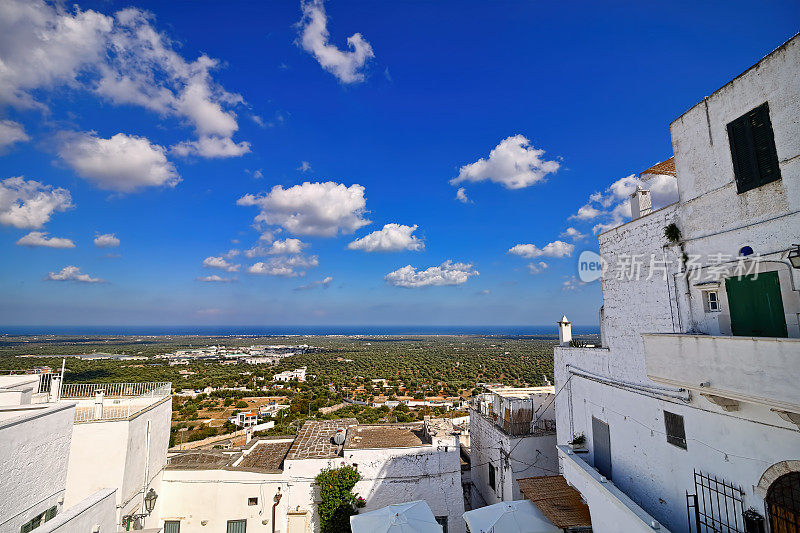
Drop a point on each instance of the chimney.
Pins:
(564, 331)
(641, 204)
(98, 403)
(55, 387)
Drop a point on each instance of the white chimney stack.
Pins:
(98, 403)
(641, 203)
(564, 331)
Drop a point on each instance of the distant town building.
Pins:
(298, 374)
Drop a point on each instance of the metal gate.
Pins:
(715, 507)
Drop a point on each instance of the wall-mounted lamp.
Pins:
(794, 256)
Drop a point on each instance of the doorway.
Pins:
(756, 305)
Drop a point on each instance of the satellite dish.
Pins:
(338, 437)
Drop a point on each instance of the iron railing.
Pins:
(716, 506)
(77, 391)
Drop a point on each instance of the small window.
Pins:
(676, 434)
(492, 477)
(237, 526)
(711, 301)
(755, 159)
(442, 521)
(172, 526)
(252, 501)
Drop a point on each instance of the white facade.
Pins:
(665, 353)
(512, 436)
(298, 374)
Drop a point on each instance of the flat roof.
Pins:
(385, 436)
(263, 455)
(315, 439)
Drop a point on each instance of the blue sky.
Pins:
(155, 140)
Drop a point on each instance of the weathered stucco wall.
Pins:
(34, 449)
(95, 514)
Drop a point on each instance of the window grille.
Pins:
(715, 507)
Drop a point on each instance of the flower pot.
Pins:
(753, 524)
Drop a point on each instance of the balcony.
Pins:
(112, 401)
(520, 428)
(729, 370)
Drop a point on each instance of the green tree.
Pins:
(338, 501)
(241, 404)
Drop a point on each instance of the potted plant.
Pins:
(753, 521)
(360, 502)
(578, 441)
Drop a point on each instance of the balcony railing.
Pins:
(113, 401)
(517, 428)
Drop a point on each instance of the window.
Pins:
(711, 301)
(442, 521)
(172, 526)
(491, 477)
(237, 526)
(39, 519)
(252, 501)
(676, 434)
(755, 160)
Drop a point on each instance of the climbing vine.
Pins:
(338, 501)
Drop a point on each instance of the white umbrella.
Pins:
(520, 516)
(410, 517)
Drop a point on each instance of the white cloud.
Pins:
(461, 195)
(290, 266)
(572, 284)
(233, 252)
(573, 234)
(30, 204)
(40, 238)
(106, 240)
(258, 174)
(220, 262)
(11, 132)
(448, 273)
(513, 163)
(212, 147)
(123, 163)
(314, 38)
(305, 166)
(484, 292)
(587, 212)
(279, 247)
(392, 238)
(553, 249)
(537, 268)
(214, 278)
(121, 58)
(612, 206)
(324, 283)
(72, 273)
(324, 209)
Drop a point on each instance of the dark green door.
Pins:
(237, 526)
(756, 305)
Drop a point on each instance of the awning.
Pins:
(519, 516)
(557, 500)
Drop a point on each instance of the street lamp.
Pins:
(150, 501)
(149, 505)
(794, 256)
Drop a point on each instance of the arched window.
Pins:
(783, 504)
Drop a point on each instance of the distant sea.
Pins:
(550, 330)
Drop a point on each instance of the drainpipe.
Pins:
(146, 466)
(277, 500)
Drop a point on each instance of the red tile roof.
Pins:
(665, 167)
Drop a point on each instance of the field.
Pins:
(342, 367)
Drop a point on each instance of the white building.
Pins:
(298, 374)
(75, 459)
(512, 435)
(691, 407)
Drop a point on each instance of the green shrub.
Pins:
(338, 501)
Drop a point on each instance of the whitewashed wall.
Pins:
(95, 514)
(216, 496)
(486, 443)
(34, 449)
(390, 475)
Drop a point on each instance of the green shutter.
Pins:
(756, 305)
(50, 513)
(752, 141)
(172, 526)
(237, 526)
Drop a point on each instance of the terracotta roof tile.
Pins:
(665, 167)
(314, 440)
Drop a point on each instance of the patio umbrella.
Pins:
(410, 517)
(519, 516)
